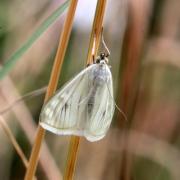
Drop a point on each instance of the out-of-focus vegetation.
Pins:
(143, 37)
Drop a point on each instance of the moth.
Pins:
(84, 106)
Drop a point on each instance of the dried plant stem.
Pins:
(13, 141)
(28, 126)
(72, 156)
(29, 95)
(96, 32)
(11, 137)
(52, 85)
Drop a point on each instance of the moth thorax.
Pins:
(101, 75)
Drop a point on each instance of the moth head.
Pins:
(102, 59)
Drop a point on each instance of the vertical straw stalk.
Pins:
(95, 39)
(64, 38)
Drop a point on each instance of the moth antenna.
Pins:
(124, 115)
(104, 44)
(31, 94)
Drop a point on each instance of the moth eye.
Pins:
(102, 55)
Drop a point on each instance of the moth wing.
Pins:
(62, 113)
(102, 113)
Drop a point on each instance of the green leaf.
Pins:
(11, 62)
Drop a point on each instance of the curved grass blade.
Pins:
(11, 62)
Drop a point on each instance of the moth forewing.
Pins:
(83, 107)
(51, 115)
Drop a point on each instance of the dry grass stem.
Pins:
(26, 96)
(52, 85)
(72, 156)
(11, 137)
(28, 126)
(96, 32)
(13, 141)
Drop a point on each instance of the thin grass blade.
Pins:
(11, 62)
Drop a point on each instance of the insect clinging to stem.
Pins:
(85, 105)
